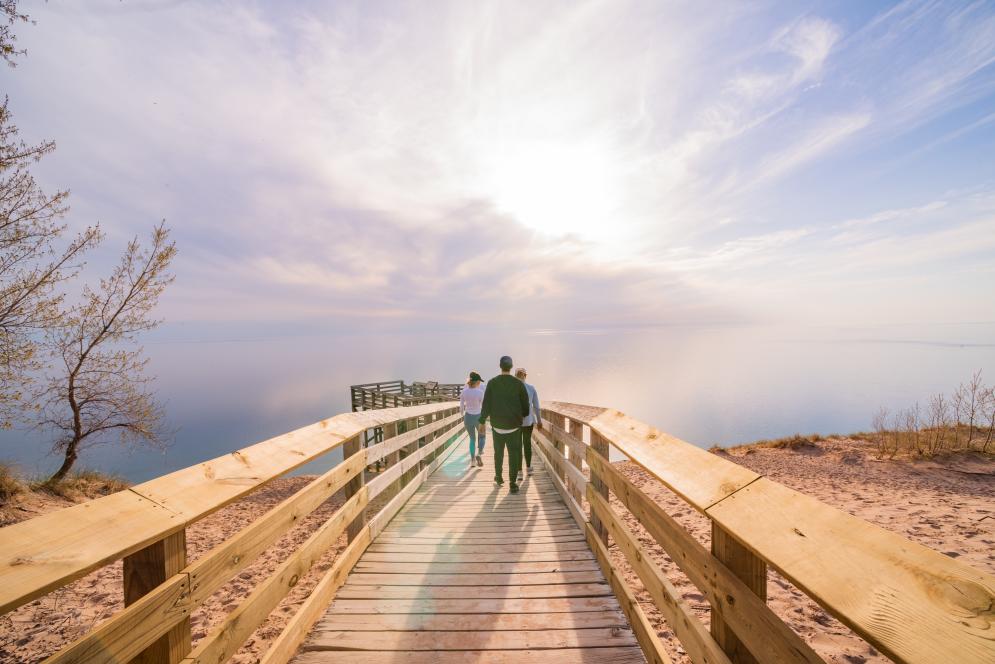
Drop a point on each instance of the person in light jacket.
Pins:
(531, 420)
(470, 401)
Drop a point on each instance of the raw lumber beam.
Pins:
(599, 451)
(557, 590)
(465, 605)
(575, 510)
(353, 447)
(694, 637)
(138, 625)
(575, 456)
(540, 639)
(286, 644)
(575, 480)
(696, 475)
(739, 607)
(49, 551)
(394, 442)
(912, 603)
(499, 622)
(222, 642)
(555, 656)
(645, 634)
(145, 570)
(752, 571)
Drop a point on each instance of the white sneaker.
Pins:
(518, 478)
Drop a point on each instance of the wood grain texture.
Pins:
(693, 635)
(355, 591)
(645, 634)
(144, 571)
(422, 622)
(286, 643)
(230, 634)
(473, 605)
(739, 607)
(912, 603)
(699, 477)
(115, 639)
(497, 575)
(752, 571)
(476, 641)
(50, 550)
(559, 656)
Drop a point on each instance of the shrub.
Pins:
(10, 482)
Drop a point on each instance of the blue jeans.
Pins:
(470, 423)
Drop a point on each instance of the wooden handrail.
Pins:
(914, 604)
(51, 550)
(166, 606)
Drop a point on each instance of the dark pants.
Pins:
(527, 444)
(513, 442)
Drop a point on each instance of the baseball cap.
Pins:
(474, 376)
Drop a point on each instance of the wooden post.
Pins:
(351, 447)
(599, 445)
(557, 420)
(411, 425)
(143, 571)
(577, 431)
(389, 431)
(752, 570)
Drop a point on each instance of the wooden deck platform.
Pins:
(467, 572)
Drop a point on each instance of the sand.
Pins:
(946, 505)
(41, 627)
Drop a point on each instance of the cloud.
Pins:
(467, 160)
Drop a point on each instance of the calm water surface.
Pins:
(226, 389)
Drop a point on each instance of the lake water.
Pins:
(226, 388)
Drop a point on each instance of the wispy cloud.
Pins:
(463, 160)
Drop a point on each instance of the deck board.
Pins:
(468, 572)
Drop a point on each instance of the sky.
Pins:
(555, 165)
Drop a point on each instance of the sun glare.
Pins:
(556, 189)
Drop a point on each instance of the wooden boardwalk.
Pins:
(467, 572)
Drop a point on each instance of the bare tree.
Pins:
(880, 424)
(31, 263)
(939, 421)
(956, 409)
(970, 396)
(9, 16)
(101, 390)
(988, 412)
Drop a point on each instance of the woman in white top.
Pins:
(470, 400)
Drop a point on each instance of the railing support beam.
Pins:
(143, 571)
(599, 445)
(751, 570)
(352, 446)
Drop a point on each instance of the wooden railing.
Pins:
(912, 603)
(396, 393)
(146, 525)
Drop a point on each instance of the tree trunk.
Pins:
(67, 463)
(991, 429)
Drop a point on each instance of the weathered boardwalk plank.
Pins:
(467, 572)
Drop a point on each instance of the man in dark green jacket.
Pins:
(506, 402)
